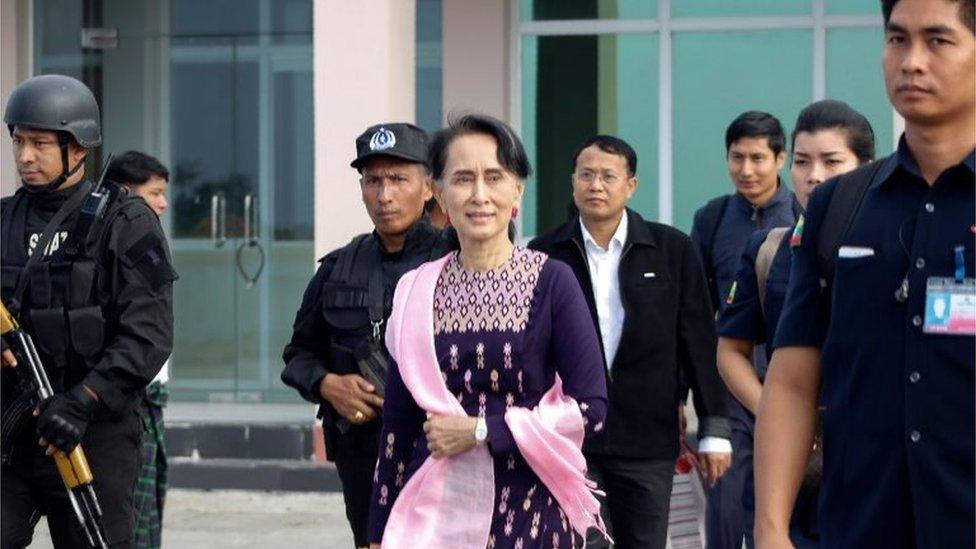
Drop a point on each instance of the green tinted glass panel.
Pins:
(711, 8)
(573, 88)
(711, 90)
(854, 7)
(858, 79)
(549, 10)
(530, 64)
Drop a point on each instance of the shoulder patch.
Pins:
(729, 299)
(797, 237)
(149, 258)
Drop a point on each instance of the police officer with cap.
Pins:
(336, 357)
(95, 292)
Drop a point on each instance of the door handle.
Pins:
(218, 220)
(250, 220)
(250, 241)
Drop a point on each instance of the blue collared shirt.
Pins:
(899, 425)
(744, 316)
(740, 220)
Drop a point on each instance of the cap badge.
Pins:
(383, 139)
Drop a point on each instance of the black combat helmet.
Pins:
(61, 104)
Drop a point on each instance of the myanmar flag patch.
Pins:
(731, 297)
(797, 237)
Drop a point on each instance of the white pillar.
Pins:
(364, 73)
(476, 43)
(16, 32)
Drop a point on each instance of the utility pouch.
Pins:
(344, 306)
(49, 330)
(372, 365)
(87, 328)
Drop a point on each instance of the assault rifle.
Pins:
(73, 466)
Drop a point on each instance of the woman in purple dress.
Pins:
(506, 322)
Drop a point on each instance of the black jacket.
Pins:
(668, 322)
(318, 346)
(116, 330)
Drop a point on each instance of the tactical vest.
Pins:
(353, 302)
(60, 305)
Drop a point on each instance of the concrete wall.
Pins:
(476, 46)
(364, 61)
(15, 43)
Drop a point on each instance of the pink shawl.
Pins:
(449, 502)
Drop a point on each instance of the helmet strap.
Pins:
(63, 140)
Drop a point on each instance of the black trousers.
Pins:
(637, 503)
(355, 454)
(30, 486)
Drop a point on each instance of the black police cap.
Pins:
(396, 139)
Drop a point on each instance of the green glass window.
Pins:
(767, 70)
(853, 7)
(727, 8)
(858, 79)
(547, 10)
(574, 87)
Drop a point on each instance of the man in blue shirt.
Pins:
(829, 138)
(756, 151)
(896, 368)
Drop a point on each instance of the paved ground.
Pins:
(232, 518)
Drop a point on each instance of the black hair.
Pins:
(966, 8)
(511, 153)
(756, 124)
(613, 145)
(837, 115)
(135, 168)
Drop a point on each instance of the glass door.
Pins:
(221, 92)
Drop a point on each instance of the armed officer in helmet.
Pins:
(339, 328)
(95, 293)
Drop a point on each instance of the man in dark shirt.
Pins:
(756, 150)
(889, 329)
(97, 300)
(339, 326)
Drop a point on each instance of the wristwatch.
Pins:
(481, 430)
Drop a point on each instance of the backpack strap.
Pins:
(764, 261)
(711, 217)
(843, 206)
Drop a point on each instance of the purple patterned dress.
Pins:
(500, 337)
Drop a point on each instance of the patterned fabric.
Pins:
(151, 487)
(495, 300)
(500, 336)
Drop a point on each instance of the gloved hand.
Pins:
(64, 417)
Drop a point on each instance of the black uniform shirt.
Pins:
(744, 316)
(133, 296)
(307, 355)
(899, 421)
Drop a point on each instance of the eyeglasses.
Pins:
(590, 176)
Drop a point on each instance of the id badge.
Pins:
(950, 306)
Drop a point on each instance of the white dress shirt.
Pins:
(604, 276)
(604, 267)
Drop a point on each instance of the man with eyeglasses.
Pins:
(648, 298)
(339, 329)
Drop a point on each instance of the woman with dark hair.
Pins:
(830, 138)
(496, 374)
